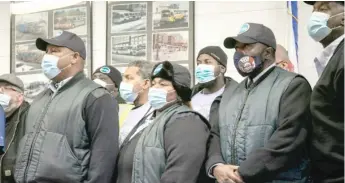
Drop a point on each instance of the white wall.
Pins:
(5, 30)
(213, 22)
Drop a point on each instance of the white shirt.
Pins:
(202, 102)
(133, 118)
(322, 60)
(55, 87)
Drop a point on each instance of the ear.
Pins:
(75, 58)
(269, 53)
(146, 84)
(222, 69)
(20, 99)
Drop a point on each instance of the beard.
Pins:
(208, 84)
(11, 108)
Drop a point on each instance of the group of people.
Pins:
(271, 127)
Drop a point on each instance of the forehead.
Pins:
(53, 47)
(132, 70)
(157, 80)
(100, 75)
(326, 4)
(203, 57)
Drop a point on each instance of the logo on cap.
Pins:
(246, 64)
(244, 28)
(158, 69)
(105, 70)
(58, 33)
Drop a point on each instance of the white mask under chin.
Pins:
(100, 82)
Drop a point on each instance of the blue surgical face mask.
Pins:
(204, 73)
(4, 100)
(317, 25)
(157, 97)
(127, 92)
(246, 65)
(49, 65)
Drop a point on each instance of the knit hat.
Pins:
(217, 53)
(178, 75)
(114, 74)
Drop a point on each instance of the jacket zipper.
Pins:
(233, 150)
(35, 137)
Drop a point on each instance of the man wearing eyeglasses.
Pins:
(15, 107)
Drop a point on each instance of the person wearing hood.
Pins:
(210, 74)
(170, 145)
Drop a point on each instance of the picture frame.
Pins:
(180, 28)
(26, 28)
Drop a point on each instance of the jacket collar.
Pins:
(63, 85)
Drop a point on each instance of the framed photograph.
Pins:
(128, 48)
(167, 33)
(70, 19)
(29, 27)
(170, 15)
(26, 28)
(28, 57)
(172, 46)
(130, 17)
(34, 84)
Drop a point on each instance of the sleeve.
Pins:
(339, 81)
(287, 143)
(185, 145)
(214, 154)
(103, 130)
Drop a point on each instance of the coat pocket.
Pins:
(57, 161)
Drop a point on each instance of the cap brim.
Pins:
(42, 44)
(309, 2)
(230, 42)
(11, 83)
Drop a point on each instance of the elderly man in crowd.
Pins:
(15, 107)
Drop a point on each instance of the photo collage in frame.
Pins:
(26, 28)
(152, 31)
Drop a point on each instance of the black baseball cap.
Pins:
(313, 2)
(114, 74)
(65, 39)
(252, 33)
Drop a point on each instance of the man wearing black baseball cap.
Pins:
(72, 126)
(326, 25)
(110, 78)
(211, 67)
(263, 122)
(16, 108)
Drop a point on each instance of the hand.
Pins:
(227, 174)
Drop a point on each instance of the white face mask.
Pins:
(50, 67)
(317, 25)
(102, 83)
(4, 100)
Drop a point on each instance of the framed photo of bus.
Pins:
(26, 28)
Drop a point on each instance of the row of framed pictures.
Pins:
(133, 17)
(26, 28)
(150, 31)
(153, 31)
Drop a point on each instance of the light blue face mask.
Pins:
(204, 73)
(49, 66)
(317, 25)
(4, 101)
(157, 97)
(127, 93)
